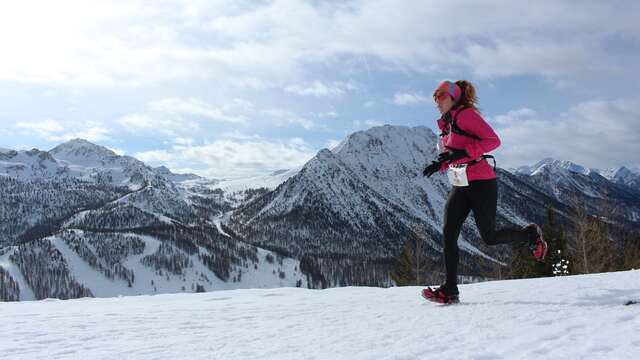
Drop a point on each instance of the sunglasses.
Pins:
(441, 96)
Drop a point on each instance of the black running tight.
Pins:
(481, 196)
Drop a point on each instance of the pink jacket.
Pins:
(471, 122)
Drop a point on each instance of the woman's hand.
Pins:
(452, 155)
(431, 169)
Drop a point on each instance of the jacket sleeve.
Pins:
(473, 123)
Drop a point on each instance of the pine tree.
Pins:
(404, 274)
(523, 266)
(631, 252)
(557, 262)
(596, 251)
(413, 264)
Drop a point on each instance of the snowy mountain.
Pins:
(624, 176)
(86, 217)
(556, 164)
(80, 220)
(236, 192)
(77, 263)
(30, 164)
(573, 317)
(353, 208)
(167, 174)
(570, 183)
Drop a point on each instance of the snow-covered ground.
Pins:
(580, 317)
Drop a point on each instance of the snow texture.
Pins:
(578, 317)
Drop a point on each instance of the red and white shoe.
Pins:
(539, 247)
(440, 296)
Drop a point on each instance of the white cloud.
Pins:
(515, 116)
(158, 123)
(117, 151)
(269, 44)
(319, 88)
(226, 158)
(195, 107)
(44, 128)
(597, 133)
(53, 130)
(94, 134)
(179, 116)
(403, 99)
(366, 124)
(331, 143)
(328, 114)
(283, 117)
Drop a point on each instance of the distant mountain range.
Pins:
(80, 220)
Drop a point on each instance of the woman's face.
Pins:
(443, 101)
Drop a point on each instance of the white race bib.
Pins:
(457, 175)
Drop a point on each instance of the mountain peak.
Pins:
(554, 165)
(82, 148)
(168, 174)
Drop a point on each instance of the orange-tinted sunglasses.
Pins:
(441, 96)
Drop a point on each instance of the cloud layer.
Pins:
(270, 43)
(236, 156)
(602, 134)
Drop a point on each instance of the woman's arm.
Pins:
(473, 123)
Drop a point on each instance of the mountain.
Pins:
(30, 164)
(624, 176)
(557, 164)
(235, 192)
(354, 207)
(80, 217)
(167, 174)
(570, 183)
(80, 220)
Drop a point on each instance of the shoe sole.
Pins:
(440, 301)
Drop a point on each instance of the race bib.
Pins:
(457, 175)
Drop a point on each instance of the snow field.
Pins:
(578, 317)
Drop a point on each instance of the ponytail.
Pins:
(469, 97)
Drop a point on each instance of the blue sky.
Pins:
(238, 88)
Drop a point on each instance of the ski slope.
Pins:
(579, 317)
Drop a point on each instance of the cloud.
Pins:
(117, 151)
(366, 124)
(283, 117)
(96, 133)
(180, 116)
(319, 88)
(53, 130)
(403, 99)
(329, 114)
(229, 158)
(195, 107)
(44, 128)
(270, 44)
(186, 117)
(158, 123)
(598, 133)
(331, 143)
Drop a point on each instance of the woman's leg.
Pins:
(483, 195)
(455, 212)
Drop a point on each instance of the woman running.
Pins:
(465, 139)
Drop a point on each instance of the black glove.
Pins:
(452, 155)
(431, 169)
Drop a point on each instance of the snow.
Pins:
(25, 291)
(270, 181)
(579, 317)
(263, 275)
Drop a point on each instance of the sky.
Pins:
(229, 89)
